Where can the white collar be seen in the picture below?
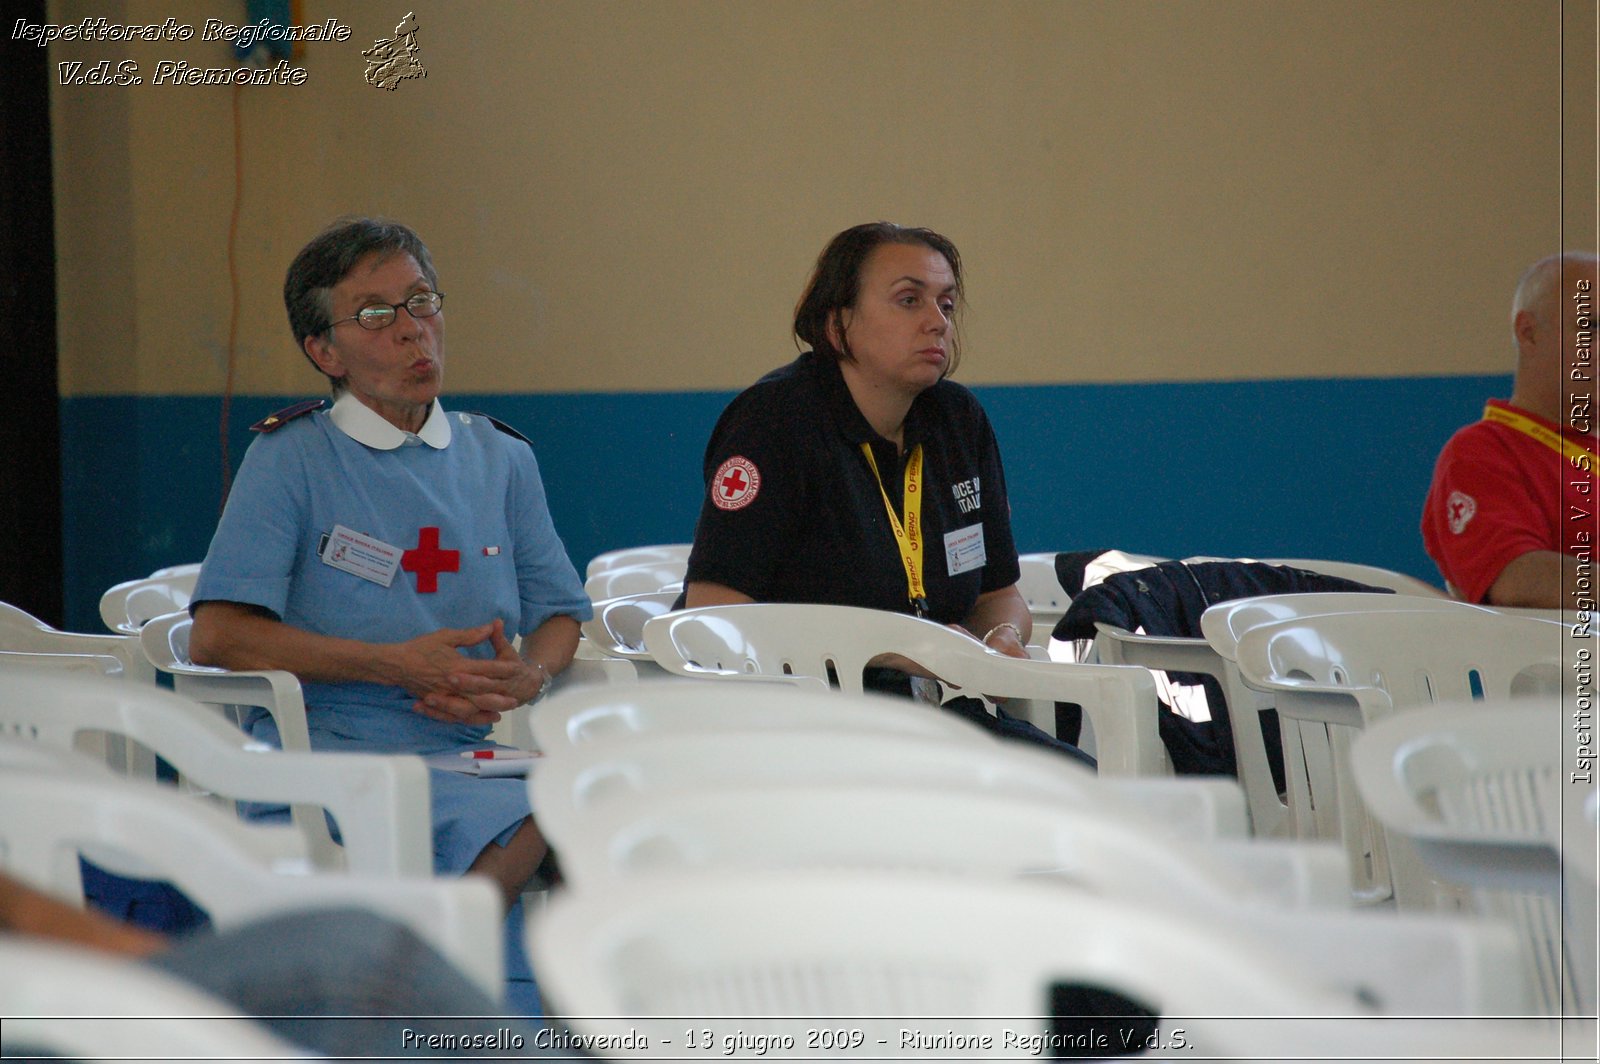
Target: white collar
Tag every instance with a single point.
(366, 426)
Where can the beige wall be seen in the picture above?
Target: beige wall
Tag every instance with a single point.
(627, 195)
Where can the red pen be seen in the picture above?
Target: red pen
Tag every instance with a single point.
(499, 755)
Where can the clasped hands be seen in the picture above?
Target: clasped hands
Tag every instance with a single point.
(456, 689)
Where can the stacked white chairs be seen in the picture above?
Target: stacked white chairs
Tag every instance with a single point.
(617, 630)
(53, 811)
(872, 956)
(1334, 674)
(931, 827)
(26, 641)
(664, 554)
(380, 803)
(832, 645)
(127, 607)
(79, 1004)
(613, 748)
(633, 580)
(751, 799)
(1480, 792)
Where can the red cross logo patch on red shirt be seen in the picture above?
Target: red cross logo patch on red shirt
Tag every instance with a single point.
(428, 561)
(735, 483)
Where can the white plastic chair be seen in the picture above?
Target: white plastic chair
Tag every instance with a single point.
(20, 631)
(834, 644)
(1214, 656)
(126, 607)
(580, 729)
(26, 641)
(1047, 600)
(379, 802)
(930, 827)
(664, 554)
(80, 1004)
(589, 716)
(1335, 674)
(1222, 625)
(1479, 791)
(165, 642)
(617, 629)
(573, 784)
(234, 871)
(875, 952)
(633, 580)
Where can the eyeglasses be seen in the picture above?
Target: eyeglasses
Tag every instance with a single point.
(377, 316)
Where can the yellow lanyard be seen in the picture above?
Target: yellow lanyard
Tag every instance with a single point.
(908, 535)
(1580, 456)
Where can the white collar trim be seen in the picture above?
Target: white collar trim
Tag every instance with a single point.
(366, 426)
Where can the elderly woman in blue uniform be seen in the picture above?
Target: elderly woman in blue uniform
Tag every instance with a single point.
(386, 552)
(822, 474)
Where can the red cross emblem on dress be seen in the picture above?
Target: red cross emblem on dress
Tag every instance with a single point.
(735, 483)
(428, 561)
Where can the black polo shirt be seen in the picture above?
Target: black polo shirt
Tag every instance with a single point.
(792, 512)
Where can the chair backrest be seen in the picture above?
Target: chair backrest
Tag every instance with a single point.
(589, 715)
(667, 554)
(379, 802)
(934, 828)
(1479, 790)
(1041, 589)
(1371, 575)
(81, 1004)
(617, 628)
(886, 950)
(1224, 623)
(575, 782)
(1411, 657)
(126, 607)
(49, 816)
(22, 632)
(834, 644)
(633, 580)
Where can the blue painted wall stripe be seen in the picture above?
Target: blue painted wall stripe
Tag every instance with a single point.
(1305, 468)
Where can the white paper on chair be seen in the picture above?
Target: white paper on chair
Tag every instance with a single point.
(504, 763)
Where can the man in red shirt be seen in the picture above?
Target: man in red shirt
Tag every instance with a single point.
(1510, 518)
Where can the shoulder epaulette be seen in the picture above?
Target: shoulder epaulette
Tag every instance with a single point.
(502, 426)
(274, 422)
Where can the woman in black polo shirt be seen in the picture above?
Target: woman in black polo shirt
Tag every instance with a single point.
(809, 470)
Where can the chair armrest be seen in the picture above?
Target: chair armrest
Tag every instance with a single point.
(275, 691)
(1118, 646)
(379, 801)
(1120, 700)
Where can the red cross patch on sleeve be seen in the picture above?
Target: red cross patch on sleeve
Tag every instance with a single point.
(735, 484)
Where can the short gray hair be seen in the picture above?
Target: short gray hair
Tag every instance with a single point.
(331, 255)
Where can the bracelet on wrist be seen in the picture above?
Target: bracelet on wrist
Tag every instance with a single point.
(1003, 624)
(544, 685)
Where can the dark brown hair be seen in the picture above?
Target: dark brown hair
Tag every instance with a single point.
(835, 284)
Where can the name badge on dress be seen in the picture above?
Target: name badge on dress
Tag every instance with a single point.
(360, 555)
(963, 550)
